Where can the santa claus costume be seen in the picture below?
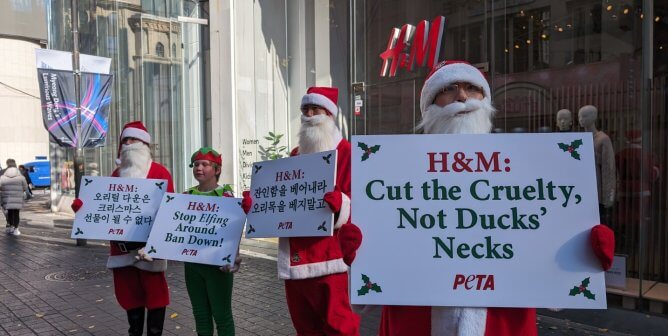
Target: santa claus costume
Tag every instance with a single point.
(139, 281)
(315, 268)
(476, 118)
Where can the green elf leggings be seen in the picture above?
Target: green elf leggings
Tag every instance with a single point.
(210, 292)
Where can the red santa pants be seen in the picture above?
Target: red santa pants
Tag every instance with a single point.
(320, 306)
(135, 288)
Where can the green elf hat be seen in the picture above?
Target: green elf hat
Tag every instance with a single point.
(206, 153)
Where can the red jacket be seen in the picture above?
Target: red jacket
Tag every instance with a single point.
(311, 257)
(122, 254)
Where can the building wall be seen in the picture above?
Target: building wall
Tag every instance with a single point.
(22, 133)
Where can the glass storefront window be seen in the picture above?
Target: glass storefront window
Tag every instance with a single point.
(157, 67)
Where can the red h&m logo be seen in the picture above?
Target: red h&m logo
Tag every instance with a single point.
(424, 43)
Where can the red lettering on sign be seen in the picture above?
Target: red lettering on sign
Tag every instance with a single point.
(477, 281)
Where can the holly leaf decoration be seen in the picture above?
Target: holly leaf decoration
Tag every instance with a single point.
(326, 158)
(367, 150)
(159, 185)
(365, 278)
(169, 198)
(571, 148)
(152, 250)
(583, 289)
(87, 181)
(228, 258)
(589, 295)
(574, 291)
(322, 227)
(78, 232)
(363, 290)
(585, 282)
(368, 286)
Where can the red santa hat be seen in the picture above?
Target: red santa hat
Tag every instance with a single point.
(326, 97)
(133, 129)
(449, 72)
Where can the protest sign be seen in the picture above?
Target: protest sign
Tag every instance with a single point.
(288, 196)
(196, 228)
(496, 220)
(116, 208)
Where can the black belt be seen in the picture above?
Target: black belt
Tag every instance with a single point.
(128, 246)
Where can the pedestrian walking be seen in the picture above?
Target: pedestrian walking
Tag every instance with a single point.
(12, 187)
(25, 174)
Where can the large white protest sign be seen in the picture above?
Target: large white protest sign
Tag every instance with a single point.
(116, 208)
(496, 220)
(196, 228)
(288, 196)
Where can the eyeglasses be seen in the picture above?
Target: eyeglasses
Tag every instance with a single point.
(315, 108)
(468, 88)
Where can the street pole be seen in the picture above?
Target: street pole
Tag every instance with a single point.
(78, 158)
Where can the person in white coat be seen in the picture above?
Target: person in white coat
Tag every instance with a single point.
(12, 188)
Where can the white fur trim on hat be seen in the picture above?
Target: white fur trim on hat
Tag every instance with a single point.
(136, 133)
(320, 100)
(448, 74)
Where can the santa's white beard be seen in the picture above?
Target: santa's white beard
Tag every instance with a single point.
(317, 134)
(135, 160)
(454, 118)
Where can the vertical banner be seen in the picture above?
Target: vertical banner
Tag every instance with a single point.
(288, 196)
(495, 220)
(196, 228)
(117, 208)
(59, 107)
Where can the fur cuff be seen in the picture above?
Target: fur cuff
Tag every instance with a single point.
(344, 213)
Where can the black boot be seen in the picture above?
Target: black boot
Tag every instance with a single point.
(136, 320)
(155, 321)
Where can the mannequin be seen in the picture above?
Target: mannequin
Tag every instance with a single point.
(604, 158)
(564, 120)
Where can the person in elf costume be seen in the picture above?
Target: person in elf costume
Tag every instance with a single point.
(456, 99)
(210, 287)
(315, 268)
(139, 281)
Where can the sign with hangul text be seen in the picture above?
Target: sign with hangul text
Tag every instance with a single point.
(117, 208)
(196, 228)
(288, 196)
(487, 220)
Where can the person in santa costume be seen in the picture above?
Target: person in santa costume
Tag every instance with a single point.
(139, 281)
(315, 268)
(456, 98)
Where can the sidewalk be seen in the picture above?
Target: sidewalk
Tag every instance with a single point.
(48, 286)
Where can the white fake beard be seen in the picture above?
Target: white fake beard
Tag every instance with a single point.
(446, 120)
(135, 160)
(317, 134)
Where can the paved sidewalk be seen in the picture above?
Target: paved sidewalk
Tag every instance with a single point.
(48, 286)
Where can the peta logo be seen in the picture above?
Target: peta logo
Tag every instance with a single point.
(473, 281)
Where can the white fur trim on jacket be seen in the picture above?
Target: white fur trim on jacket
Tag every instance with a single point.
(452, 73)
(305, 271)
(136, 133)
(454, 321)
(128, 259)
(344, 213)
(320, 100)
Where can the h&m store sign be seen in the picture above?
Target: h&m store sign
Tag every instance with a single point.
(423, 41)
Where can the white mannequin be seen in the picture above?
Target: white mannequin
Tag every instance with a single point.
(604, 156)
(564, 120)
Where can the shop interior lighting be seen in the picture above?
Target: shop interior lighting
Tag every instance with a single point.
(528, 41)
(657, 19)
(609, 8)
(626, 11)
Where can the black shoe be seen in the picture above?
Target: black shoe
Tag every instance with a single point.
(155, 321)
(136, 321)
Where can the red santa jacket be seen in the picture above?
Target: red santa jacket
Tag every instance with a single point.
(446, 321)
(122, 254)
(311, 257)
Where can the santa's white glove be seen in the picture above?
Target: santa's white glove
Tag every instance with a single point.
(234, 268)
(142, 256)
